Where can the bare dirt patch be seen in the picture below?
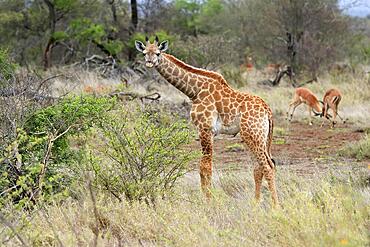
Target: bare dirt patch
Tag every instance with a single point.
(304, 148)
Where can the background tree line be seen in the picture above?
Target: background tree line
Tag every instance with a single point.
(308, 35)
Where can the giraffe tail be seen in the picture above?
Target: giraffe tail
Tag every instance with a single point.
(269, 143)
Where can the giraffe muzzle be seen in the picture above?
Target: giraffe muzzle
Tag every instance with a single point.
(149, 64)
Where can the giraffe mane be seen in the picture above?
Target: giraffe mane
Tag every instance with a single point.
(198, 71)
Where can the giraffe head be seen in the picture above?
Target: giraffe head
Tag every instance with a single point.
(152, 51)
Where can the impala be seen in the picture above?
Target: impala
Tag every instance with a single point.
(331, 101)
(304, 95)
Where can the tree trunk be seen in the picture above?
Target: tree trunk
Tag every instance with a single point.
(134, 16)
(114, 11)
(133, 26)
(50, 44)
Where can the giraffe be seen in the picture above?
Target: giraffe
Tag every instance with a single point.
(218, 109)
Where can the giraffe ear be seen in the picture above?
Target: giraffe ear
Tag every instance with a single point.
(163, 46)
(139, 46)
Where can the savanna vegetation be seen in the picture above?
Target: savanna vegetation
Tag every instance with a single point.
(97, 150)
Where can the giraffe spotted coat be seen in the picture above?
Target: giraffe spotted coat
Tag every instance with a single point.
(219, 109)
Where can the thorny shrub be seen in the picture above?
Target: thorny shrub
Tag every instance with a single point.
(34, 164)
(140, 154)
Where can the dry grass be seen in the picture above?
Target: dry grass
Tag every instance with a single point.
(355, 88)
(359, 150)
(355, 104)
(326, 210)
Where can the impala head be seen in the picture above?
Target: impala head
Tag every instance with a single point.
(152, 51)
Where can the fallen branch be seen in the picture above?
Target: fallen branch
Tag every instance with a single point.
(132, 96)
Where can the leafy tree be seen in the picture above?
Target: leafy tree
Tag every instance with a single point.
(194, 16)
(305, 34)
(7, 68)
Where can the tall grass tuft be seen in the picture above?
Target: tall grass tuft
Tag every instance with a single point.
(326, 210)
(359, 150)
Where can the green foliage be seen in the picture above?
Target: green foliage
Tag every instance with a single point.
(359, 49)
(84, 31)
(196, 16)
(142, 156)
(189, 13)
(65, 5)
(113, 46)
(212, 8)
(59, 36)
(22, 164)
(77, 110)
(233, 75)
(10, 17)
(7, 68)
(162, 35)
(359, 150)
(32, 166)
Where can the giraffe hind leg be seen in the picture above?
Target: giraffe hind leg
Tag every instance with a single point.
(205, 169)
(258, 176)
(265, 167)
(269, 174)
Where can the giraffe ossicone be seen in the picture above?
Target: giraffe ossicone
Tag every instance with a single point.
(218, 109)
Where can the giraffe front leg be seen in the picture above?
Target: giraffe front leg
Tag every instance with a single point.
(205, 169)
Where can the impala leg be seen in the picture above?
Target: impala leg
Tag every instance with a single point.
(205, 169)
(287, 113)
(309, 115)
(295, 105)
(334, 116)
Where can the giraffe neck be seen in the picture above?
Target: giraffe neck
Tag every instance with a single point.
(184, 77)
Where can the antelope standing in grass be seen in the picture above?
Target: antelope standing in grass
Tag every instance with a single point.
(331, 101)
(304, 95)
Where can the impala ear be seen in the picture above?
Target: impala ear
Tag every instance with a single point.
(139, 46)
(163, 46)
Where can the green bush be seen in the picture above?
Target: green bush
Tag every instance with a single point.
(233, 76)
(140, 155)
(7, 68)
(34, 165)
(359, 150)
